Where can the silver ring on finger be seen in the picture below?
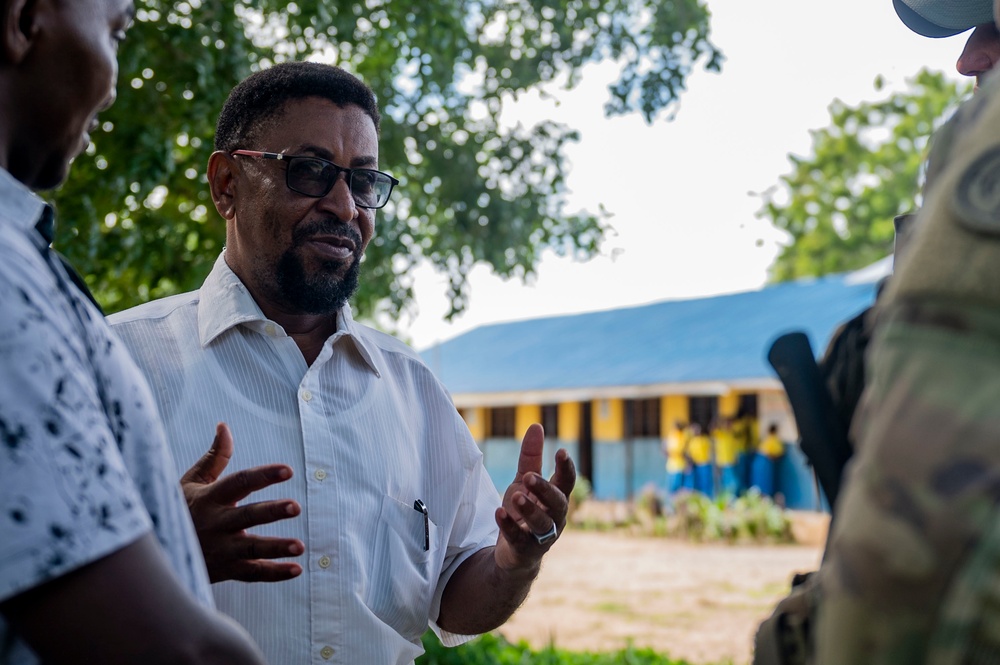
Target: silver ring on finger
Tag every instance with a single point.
(548, 536)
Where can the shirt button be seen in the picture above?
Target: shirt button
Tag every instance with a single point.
(320, 474)
(306, 395)
(270, 329)
(324, 561)
(326, 652)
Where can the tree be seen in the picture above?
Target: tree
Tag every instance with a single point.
(838, 204)
(136, 216)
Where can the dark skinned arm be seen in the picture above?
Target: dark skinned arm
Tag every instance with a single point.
(126, 608)
(492, 583)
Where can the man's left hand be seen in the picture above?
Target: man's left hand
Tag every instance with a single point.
(533, 506)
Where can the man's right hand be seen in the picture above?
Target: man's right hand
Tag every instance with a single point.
(230, 552)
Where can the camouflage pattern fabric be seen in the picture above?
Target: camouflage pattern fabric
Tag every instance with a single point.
(912, 570)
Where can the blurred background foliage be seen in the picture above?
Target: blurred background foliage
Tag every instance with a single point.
(867, 166)
(136, 217)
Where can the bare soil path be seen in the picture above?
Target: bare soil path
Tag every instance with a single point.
(700, 602)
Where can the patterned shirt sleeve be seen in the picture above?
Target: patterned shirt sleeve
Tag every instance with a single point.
(66, 497)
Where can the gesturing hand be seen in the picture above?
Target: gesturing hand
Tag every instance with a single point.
(532, 506)
(230, 552)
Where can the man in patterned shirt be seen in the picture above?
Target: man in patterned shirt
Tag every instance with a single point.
(401, 524)
(98, 559)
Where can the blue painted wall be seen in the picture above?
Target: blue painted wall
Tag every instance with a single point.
(612, 481)
(500, 457)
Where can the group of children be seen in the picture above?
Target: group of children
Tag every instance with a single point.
(727, 458)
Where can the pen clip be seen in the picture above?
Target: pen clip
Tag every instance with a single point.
(420, 507)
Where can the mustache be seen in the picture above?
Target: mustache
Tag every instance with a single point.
(335, 227)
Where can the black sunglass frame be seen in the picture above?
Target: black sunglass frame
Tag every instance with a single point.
(349, 174)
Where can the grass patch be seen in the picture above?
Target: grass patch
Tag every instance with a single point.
(492, 649)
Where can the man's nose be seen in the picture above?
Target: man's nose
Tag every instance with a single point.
(339, 199)
(981, 51)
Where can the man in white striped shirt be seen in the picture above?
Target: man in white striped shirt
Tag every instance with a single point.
(401, 526)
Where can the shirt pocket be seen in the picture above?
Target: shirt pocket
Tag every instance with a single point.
(404, 568)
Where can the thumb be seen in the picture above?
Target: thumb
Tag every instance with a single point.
(211, 465)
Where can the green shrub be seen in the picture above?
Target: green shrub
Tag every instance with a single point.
(581, 492)
(751, 517)
(492, 649)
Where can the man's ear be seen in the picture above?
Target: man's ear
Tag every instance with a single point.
(19, 29)
(222, 182)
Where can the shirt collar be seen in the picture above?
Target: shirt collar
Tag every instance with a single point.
(224, 302)
(20, 207)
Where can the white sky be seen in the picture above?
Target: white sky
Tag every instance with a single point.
(686, 226)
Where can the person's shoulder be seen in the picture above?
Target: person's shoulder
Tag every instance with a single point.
(20, 262)
(154, 310)
(384, 342)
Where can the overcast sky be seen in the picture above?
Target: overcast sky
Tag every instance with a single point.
(686, 225)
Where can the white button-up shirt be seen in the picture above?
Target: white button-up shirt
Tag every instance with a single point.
(83, 460)
(368, 431)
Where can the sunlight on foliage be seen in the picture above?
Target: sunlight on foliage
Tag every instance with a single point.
(837, 205)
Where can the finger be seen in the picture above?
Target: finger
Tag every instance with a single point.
(255, 514)
(264, 571)
(532, 445)
(548, 497)
(510, 529)
(211, 465)
(534, 517)
(565, 474)
(237, 486)
(252, 548)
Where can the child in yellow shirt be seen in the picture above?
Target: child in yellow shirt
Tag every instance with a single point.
(726, 449)
(677, 464)
(765, 462)
(699, 451)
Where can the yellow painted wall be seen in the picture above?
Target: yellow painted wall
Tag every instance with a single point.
(729, 404)
(524, 416)
(569, 421)
(672, 409)
(477, 418)
(609, 419)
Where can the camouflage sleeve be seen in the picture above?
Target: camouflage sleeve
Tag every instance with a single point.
(911, 572)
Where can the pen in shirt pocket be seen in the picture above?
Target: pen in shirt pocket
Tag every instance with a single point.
(421, 508)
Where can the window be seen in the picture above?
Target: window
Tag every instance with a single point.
(502, 422)
(645, 420)
(748, 405)
(703, 410)
(550, 420)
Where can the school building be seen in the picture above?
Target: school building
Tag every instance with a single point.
(608, 385)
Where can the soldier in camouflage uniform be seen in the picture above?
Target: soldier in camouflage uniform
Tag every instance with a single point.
(871, 616)
(912, 572)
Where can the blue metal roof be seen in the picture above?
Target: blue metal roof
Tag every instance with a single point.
(721, 338)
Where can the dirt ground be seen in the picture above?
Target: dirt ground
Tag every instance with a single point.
(598, 591)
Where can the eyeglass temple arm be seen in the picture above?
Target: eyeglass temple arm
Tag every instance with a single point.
(258, 153)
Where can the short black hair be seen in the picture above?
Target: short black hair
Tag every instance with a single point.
(263, 95)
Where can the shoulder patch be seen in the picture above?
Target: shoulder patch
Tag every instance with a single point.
(976, 200)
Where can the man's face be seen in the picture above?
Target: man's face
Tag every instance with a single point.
(302, 255)
(74, 68)
(981, 52)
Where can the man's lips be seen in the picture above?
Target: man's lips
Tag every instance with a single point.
(333, 247)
